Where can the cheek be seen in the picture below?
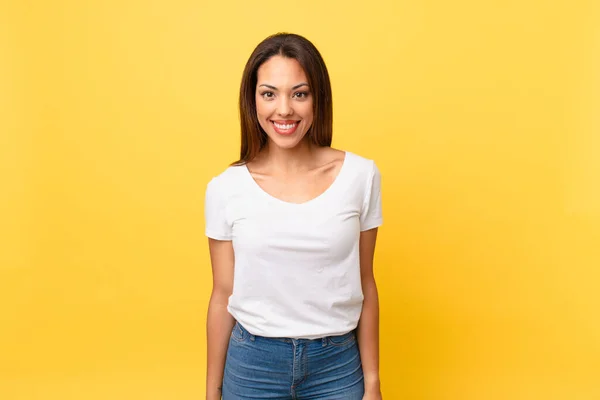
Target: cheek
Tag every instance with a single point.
(306, 112)
(263, 113)
(263, 109)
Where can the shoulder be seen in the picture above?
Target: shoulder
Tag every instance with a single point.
(362, 166)
(227, 181)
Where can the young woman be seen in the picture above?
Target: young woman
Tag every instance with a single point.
(292, 228)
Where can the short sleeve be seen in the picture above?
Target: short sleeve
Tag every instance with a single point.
(215, 214)
(371, 215)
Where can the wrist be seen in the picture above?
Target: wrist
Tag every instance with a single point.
(213, 394)
(372, 383)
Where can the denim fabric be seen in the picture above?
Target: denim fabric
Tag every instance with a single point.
(284, 369)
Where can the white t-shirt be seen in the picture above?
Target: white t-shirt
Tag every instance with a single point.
(297, 269)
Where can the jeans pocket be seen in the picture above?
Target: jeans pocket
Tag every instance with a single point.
(237, 333)
(342, 340)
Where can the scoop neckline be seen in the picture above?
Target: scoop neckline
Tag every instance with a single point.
(315, 199)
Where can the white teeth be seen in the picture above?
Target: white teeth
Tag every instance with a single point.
(285, 127)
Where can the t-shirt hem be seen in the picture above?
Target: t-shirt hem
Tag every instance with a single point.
(217, 236)
(371, 224)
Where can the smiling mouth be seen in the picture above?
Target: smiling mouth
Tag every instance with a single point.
(285, 127)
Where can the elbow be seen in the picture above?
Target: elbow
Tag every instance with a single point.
(369, 287)
(220, 295)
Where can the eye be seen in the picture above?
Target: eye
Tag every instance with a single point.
(267, 95)
(301, 95)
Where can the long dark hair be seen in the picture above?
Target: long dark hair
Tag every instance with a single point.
(301, 49)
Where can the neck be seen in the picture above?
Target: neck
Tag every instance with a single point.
(297, 159)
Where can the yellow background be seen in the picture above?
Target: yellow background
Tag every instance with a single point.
(483, 117)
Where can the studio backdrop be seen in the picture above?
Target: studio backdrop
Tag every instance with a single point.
(483, 117)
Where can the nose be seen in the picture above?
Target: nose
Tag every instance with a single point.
(284, 108)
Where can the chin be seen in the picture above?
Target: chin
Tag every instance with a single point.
(284, 142)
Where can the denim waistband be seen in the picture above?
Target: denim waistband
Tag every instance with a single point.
(288, 340)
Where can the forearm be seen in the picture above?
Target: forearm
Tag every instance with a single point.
(218, 330)
(368, 336)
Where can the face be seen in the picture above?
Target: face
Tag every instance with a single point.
(284, 102)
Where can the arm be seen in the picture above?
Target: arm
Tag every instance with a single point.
(368, 325)
(219, 321)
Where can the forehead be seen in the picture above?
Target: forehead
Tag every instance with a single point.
(281, 70)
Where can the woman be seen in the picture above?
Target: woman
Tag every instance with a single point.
(292, 228)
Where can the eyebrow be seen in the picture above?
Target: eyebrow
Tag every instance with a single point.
(294, 88)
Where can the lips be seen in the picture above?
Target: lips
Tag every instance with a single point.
(285, 127)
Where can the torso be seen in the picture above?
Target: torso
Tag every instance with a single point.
(296, 243)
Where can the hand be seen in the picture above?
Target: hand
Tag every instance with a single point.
(373, 395)
(372, 389)
(213, 395)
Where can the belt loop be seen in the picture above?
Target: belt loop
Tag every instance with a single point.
(324, 341)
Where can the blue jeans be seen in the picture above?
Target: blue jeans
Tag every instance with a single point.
(284, 369)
